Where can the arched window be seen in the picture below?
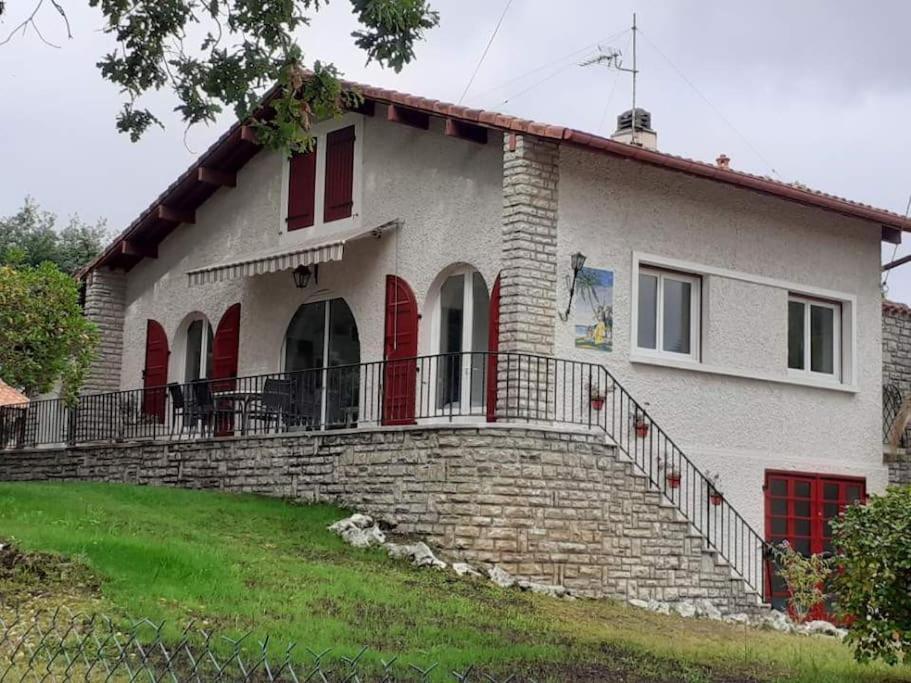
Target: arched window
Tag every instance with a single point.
(459, 335)
(322, 352)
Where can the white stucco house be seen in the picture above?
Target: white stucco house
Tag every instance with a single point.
(423, 265)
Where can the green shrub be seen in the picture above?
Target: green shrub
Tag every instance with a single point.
(873, 580)
(804, 577)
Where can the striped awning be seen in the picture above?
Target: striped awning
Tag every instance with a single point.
(310, 252)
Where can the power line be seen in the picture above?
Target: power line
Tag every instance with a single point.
(713, 107)
(484, 54)
(537, 83)
(572, 56)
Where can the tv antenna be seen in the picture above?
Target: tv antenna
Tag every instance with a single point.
(613, 59)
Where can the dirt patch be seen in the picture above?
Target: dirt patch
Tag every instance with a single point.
(25, 575)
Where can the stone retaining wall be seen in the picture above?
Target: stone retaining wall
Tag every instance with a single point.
(550, 507)
(899, 464)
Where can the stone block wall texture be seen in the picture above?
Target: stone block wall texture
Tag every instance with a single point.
(529, 275)
(899, 465)
(897, 346)
(551, 507)
(528, 279)
(105, 300)
(897, 372)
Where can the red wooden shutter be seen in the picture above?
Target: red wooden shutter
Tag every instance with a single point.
(155, 374)
(224, 363)
(339, 174)
(400, 350)
(493, 347)
(302, 190)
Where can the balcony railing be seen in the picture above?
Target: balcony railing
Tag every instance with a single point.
(465, 387)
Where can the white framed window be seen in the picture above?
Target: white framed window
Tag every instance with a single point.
(668, 316)
(814, 337)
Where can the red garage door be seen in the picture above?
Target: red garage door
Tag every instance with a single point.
(798, 509)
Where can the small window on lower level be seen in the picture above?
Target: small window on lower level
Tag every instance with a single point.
(814, 336)
(668, 313)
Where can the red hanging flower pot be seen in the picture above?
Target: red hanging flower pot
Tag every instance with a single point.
(673, 480)
(641, 429)
(597, 403)
(716, 498)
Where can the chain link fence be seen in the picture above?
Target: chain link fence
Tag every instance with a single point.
(65, 646)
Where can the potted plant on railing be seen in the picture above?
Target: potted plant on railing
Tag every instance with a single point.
(596, 397)
(640, 423)
(716, 497)
(672, 476)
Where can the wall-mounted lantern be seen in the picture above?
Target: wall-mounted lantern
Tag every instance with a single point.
(302, 275)
(578, 262)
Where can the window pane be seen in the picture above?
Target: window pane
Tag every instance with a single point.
(795, 335)
(648, 311)
(822, 336)
(452, 310)
(194, 351)
(677, 301)
(209, 347)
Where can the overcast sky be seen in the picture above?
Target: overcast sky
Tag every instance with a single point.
(817, 90)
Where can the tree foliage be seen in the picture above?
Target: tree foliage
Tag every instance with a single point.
(30, 237)
(43, 335)
(873, 579)
(217, 54)
(804, 577)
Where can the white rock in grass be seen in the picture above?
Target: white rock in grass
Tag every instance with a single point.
(501, 577)
(364, 538)
(821, 628)
(685, 609)
(778, 621)
(418, 553)
(739, 618)
(355, 521)
(641, 604)
(464, 569)
(705, 608)
(658, 606)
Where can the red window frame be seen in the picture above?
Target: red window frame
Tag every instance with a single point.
(798, 507)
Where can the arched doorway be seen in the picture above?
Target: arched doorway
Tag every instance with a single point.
(460, 336)
(322, 353)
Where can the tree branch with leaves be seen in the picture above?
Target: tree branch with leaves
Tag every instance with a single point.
(243, 48)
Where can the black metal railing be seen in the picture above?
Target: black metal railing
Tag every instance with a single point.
(506, 387)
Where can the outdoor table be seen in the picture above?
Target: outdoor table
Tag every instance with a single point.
(244, 397)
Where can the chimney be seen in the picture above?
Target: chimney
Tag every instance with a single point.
(723, 161)
(644, 136)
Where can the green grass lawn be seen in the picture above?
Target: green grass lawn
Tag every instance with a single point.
(240, 563)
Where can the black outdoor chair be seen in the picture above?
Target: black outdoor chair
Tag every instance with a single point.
(195, 408)
(272, 405)
(178, 405)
